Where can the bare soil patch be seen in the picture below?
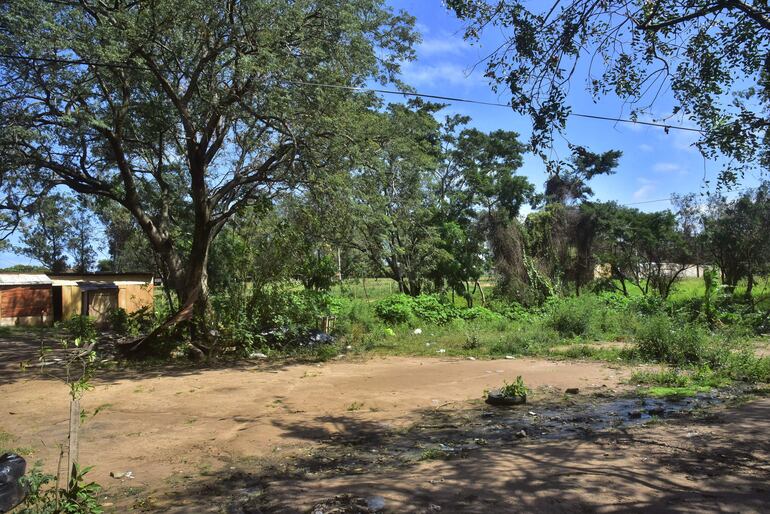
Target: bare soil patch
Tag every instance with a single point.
(266, 438)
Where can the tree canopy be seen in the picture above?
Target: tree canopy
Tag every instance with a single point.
(184, 111)
(713, 55)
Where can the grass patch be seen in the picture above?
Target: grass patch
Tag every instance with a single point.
(594, 352)
(673, 392)
(434, 454)
(7, 442)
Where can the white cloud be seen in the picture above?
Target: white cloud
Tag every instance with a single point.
(667, 167)
(437, 75)
(646, 148)
(643, 193)
(442, 46)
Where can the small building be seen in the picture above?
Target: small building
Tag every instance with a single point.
(97, 294)
(25, 299)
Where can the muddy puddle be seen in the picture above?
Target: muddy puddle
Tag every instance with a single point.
(460, 431)
(579, 417)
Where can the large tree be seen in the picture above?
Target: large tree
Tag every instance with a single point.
(45, 236)
(184, 111)
(737, 235)
(82, 239)
(713, 55)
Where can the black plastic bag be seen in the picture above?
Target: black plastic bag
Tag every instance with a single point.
(12, 468)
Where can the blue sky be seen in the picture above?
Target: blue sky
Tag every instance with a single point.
(654, 164)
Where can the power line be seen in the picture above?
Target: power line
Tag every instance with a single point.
(365, 89)
(650, 201)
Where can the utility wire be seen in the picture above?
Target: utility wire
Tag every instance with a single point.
(650, 201)
(365, 89)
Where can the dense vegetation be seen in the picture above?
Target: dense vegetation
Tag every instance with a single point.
(214, 158)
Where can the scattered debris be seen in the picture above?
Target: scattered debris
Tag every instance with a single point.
(417, 331)
(572, 390)
(12, 468)
(496, 397)
(119, 475)
(349, 504)
(375, 503)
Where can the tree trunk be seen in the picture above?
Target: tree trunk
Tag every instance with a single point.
(749, 285)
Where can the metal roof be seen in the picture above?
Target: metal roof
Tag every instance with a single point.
(23, 279)
(92, 286)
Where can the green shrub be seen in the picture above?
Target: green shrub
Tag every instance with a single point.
(746, 366)
(666, 378)
(430, 309)
(395, 309)
(78, 497)
(508, 309)
(647, 304)
(480, 314)
(571, 317)
(130, 324)
(529, 340)
(662, 339)
(82, 327)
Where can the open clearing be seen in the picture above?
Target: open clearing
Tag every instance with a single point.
(259, 438)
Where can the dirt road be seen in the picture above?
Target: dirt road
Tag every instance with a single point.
(286, 438)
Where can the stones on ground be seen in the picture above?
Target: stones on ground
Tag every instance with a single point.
(521, 434)
(510, 357)
(656, 411)
(572, 390)
(417, 331)
(257, 355)
(344, 503)
(375, 503)
(434, 508)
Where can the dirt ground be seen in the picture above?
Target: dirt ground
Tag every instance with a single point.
(265, 438)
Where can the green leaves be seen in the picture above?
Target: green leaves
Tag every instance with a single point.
(712, 57)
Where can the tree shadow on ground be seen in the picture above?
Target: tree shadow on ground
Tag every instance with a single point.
(20, 352)
(662, 468)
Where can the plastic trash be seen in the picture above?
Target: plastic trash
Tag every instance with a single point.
(12, 468)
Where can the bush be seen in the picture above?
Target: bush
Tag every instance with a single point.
(131, 324)
(480, 314)
(82, 327)
(667, 378)
(511, 310)
(529, 340)
(744, 365)
(571, 317)
(78, 497)
(660, 339)
(395, 309)
(431, 309)
(647, 304)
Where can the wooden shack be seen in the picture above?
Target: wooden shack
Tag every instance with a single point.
(97, 294)
(25, 299)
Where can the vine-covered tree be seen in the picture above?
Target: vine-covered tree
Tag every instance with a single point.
(184, 111)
